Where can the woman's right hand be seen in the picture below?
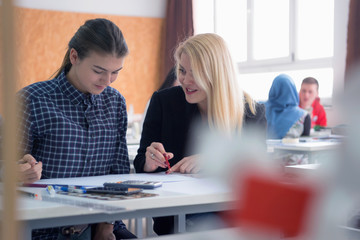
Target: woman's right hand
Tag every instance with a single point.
(154, 157)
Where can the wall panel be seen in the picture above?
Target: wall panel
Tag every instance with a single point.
(42, 38)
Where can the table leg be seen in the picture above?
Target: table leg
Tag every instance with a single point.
(139, 227)
(149, 227)
(180, 223)
(26, 232)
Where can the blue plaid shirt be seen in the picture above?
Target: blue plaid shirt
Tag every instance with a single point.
(73, 134)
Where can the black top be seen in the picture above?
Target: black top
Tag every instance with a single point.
(169, 120)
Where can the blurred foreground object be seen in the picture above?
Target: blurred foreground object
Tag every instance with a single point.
(272, 206)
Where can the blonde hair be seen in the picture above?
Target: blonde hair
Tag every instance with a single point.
(214, 71)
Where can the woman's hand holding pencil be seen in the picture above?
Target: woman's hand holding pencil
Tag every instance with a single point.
(156, 156)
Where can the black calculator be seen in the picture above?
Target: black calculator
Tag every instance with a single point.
(134, 184)
(113, 190)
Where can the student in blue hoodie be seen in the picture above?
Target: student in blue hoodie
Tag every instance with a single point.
(285, 118)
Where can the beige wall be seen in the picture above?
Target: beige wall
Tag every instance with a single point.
(42, 37)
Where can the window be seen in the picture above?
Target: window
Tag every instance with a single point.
(270, 29)
(267, 38)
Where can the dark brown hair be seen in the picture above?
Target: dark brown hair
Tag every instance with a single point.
(99, 35)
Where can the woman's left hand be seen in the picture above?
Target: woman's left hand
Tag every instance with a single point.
(186, 165)
(29, 170)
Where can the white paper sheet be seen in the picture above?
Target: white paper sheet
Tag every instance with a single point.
(100, 180)
(198, 187)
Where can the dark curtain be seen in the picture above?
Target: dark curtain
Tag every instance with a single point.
(353, 36)
(179, 26)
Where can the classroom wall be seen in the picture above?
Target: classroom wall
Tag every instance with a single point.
(42, 35)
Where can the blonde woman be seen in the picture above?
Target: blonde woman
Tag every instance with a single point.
(209, 90)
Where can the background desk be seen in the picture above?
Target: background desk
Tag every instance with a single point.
(132, 151)
(302, 169)
(174, 198)
(316, 150)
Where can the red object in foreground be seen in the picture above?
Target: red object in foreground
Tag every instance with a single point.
(269, 203)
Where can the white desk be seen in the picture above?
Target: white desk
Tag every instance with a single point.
(302, 169)
(316, 150)
(132, 141)
(174, 198)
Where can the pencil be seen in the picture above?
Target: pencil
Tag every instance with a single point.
(167, 162)
(39, 185)
(29, 194)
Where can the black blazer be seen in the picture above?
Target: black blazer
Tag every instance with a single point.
(169, 120)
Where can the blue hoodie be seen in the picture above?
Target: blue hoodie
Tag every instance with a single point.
(282, 107)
